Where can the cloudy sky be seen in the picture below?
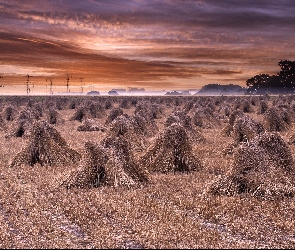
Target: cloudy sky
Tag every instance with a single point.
(154, 44)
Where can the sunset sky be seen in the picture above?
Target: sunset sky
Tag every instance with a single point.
(152, 44)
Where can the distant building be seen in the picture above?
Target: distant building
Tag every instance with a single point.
(113, 92)
(185, 92)
(119, 90)
(136, 90)
(93, 93)
(174, 92)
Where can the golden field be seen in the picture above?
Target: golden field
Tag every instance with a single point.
(171, 210)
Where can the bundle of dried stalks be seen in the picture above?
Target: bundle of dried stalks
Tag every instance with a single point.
(61, 103)
(80, 114)
(188, 106)
(227, 130)
(185, 120)
(122, 168)
(211, 105)
(46, 147)
(168, 101)
(89, 124)
(3, 125)
(127, 127)
(291, 136)
(266, 97)
(10, 113)
(74, 103)
(277, 120)
(262, 107)
(88, 109)
(49, 104)
(246, 106)
(145, 114)
(245, 128)
(224, 111)
(115, 112)
(54, 117)
(171, 151)
(21, 126)
(279, 100)
(235, 115)
(205, 118)
(292, 105)
(125, 103)
(148, 110)
(108, 165)
(147, 126)
(263, 168)
(287, 114)
(37, 109)
(108, 104)
(254, 100)
(178, 101)
(97, 110)
(134, 100)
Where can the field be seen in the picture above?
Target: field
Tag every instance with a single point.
(42, 204)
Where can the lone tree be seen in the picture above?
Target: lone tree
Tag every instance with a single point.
(287, 73)
(256, 82)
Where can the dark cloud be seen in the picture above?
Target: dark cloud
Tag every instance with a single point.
(65, 58)
(151, 41)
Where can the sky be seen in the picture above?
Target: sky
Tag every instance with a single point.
(152, 44)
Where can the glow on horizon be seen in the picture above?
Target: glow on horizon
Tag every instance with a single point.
(152, 44)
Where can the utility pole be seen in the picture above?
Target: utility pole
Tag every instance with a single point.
(68, 80)
(50, 85)
(27, 83)
(81, 80)
(1, 84)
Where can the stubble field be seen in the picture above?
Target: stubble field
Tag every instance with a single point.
(177, 202)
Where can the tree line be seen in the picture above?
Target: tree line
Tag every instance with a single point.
(281, 83)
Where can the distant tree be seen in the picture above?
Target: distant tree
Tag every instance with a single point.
(283, 82)
(287, 73)
(274, 82)
(215, 88)
(256, 82)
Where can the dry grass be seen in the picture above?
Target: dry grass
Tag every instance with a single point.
(173, 210)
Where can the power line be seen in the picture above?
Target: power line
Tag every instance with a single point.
(68, 80)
